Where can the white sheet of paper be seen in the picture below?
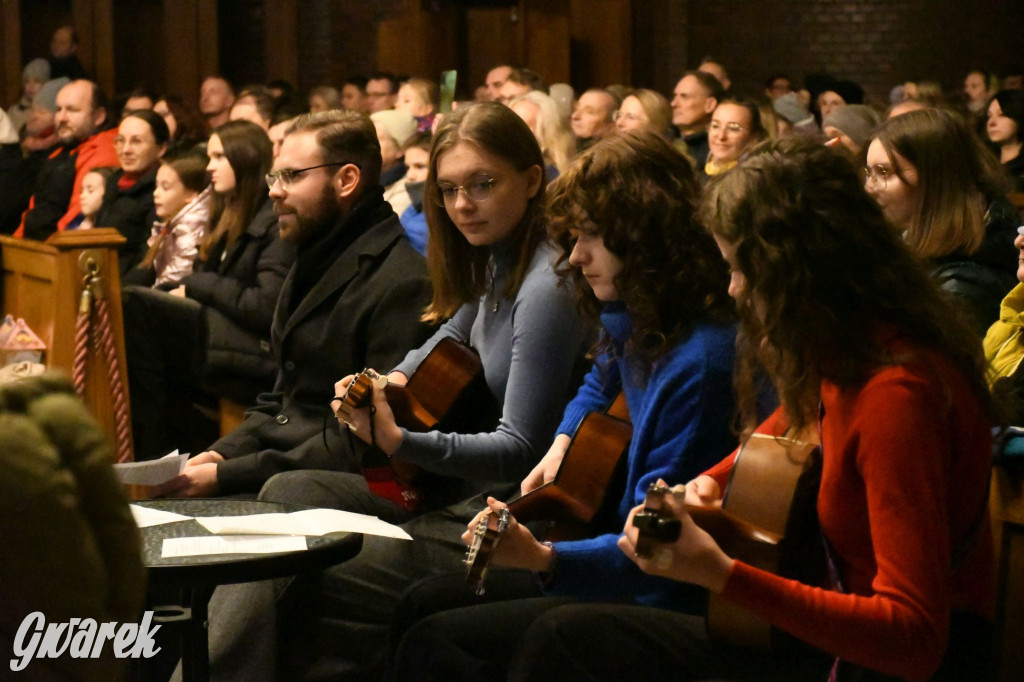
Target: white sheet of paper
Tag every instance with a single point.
(305, 522)
(146, 517)
(235, 544)
(153, 472)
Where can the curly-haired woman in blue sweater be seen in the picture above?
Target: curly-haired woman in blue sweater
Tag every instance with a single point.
(624, 217)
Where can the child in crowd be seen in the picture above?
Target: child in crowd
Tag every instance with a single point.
(93, 185)
(417, 160)
(181, 200)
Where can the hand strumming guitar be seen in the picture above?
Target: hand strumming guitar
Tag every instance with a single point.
(518, 548)
(693, 558)
(386, 434)
(547, 467)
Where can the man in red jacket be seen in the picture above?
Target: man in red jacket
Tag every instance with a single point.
(80, 119)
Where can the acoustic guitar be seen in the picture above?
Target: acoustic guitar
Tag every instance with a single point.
(764, 521)
(446, 391)
(584, 490)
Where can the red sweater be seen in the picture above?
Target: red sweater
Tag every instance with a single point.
(905, 470)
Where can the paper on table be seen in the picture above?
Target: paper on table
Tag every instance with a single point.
(238, 544)
(146, 516)
(306, 522)
(153, 472)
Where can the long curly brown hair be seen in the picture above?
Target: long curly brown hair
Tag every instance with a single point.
(825, 277)
(640, 195)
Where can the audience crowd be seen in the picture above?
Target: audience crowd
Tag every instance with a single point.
(278, 243)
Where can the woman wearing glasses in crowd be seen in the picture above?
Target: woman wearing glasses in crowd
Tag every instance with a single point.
(734, 129)
(937, 184)
(893, 386)
(494, 288)
(211, 333)
(644, 109)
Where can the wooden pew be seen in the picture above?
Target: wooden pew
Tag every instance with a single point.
(1006, 505)
(42, 283)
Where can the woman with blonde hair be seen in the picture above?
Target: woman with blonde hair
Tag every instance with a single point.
(644, 109)
(541, 113)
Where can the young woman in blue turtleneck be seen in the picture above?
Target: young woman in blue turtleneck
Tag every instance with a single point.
(623, 215)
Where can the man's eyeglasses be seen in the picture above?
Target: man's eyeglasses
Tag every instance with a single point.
(476, 190)
(287, 176)
(879, 175)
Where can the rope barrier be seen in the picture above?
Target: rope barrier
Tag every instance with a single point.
(91, 301)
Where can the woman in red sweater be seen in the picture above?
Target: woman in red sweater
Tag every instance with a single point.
(866, 355)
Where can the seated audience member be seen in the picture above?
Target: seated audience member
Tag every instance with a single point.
(414, 218)
(519, 82)
(353, 94)
(494, 282)
(381, 90)
(128, 199)
(94, 187)
(623, 215)
(694, 99)
(33, 77)
(186, 124)
(352, 299)
(776, 86)
(894, 389)
(281, 90)
(644, 110)
(713, 67)
(256, 104)
(216, 97)
(394, 128)
(1005, 130)
(496, 78)
(71, 547)
(64, 54)
(793, 116)
(1004, 348)
(277, 133)
(852, 125)
(181, 201)
(324, 98)
(928, 93)
(81, 115)
(138, 98)
(939, 186)
(541, 114)
(418, 97)
(734, 129)
(593, 117)
(24, 160)
(976, 91)
(211, 333)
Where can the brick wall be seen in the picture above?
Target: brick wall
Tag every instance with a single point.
(877, 43)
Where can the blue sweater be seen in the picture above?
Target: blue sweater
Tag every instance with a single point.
(681, 420)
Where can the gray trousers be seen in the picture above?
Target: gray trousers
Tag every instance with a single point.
(333, 624)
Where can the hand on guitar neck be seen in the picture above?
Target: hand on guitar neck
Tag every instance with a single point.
(694, 556)
(518, 547)
(386, 433)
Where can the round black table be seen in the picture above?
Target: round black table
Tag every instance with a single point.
(197, 576)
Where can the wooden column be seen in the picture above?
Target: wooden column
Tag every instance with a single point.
(42, 283)
(94, 20)
(10, 50)
(282, 39)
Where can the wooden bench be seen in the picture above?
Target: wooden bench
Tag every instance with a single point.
(1006, 502)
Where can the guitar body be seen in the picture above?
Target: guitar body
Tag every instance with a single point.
(765, 522)
(584, 485)
(448, 382)
(580, 494)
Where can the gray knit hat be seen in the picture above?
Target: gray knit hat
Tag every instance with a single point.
(37, 70)
(791, 108)
(858, 121)
(47, 95)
